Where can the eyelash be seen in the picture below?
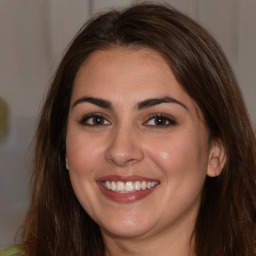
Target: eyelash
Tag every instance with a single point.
(94, 116)
(161, 117)
(168, 121)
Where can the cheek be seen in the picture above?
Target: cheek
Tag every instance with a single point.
(164, 155)
(82, 154)
(182, 156)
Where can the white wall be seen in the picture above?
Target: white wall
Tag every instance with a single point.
(33, 35)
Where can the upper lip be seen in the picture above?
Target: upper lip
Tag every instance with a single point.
(124, 178)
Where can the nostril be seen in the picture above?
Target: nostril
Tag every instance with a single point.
(122, 160)
(124, 147)
(124, 156)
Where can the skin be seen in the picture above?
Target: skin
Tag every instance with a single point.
(176, 151)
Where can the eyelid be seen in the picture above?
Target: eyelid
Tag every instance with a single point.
(86, 117)
(170, 119)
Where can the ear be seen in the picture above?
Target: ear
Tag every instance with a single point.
(67, 166)
(217, 158)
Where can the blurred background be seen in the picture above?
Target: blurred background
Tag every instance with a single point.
(33, 37)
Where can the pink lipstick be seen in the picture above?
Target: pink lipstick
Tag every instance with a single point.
(126, 189)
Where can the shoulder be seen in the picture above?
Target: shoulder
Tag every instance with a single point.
(12, 251)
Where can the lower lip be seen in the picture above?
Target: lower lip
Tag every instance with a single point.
(125, 197)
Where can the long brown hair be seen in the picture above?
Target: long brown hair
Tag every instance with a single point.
(56, 223)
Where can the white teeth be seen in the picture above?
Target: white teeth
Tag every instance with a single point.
(113, 186)
(107, 185)
(137, 185)
(120, 186)
(129, 186)
(143, 185)
(153, 183)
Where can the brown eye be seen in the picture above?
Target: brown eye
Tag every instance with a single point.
(94, 120)
(160, 121)
(97, 120)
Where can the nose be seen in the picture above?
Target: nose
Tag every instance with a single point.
(124, 147)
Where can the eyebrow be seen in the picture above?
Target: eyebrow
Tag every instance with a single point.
(156, 101)
(96, 101)
(141, 105)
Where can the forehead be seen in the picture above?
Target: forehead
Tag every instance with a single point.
(124, 67)
(127, 57)
(127, 75)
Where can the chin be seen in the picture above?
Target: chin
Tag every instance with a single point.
(127, 228)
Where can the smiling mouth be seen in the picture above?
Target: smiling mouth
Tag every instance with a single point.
(126, 189)
(129, 186)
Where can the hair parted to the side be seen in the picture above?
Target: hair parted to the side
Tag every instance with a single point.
(56, 223)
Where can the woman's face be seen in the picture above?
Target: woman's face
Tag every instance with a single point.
(138, 150)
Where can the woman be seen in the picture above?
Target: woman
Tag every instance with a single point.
(144, 146)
